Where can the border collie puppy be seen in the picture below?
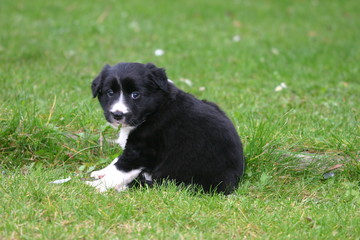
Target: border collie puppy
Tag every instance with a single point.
(166, 134)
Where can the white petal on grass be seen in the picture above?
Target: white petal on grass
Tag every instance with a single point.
(202, 89)
(186, 81)
(60, 181)
(134, 25)
(236, 38)
(280, 87)
(283, 85)
(159, 52)
(275, 51)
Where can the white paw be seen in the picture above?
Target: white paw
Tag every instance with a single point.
(107, 178)
(102, 186)
(98, 184)
(113, 178)
(101, 173)
(98, 174)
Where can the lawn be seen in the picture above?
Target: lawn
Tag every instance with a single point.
(302, 140)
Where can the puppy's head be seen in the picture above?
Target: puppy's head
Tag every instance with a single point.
(129, 92)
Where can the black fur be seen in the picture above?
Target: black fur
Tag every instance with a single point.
(177, 136)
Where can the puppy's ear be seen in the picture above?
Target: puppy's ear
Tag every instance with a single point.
(96, 85)
(158, 76)
(97, 82)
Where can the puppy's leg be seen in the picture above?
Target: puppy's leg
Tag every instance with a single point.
(101, 173)
(114, 178)
(120, 173)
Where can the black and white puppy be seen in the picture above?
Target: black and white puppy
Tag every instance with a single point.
(165, 133)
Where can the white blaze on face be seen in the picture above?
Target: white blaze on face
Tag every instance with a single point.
(120, 105)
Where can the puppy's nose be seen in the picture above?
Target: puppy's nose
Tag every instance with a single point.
(117, 115)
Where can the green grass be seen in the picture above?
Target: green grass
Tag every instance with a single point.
(50, 127)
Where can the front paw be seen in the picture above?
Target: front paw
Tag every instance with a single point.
(114, 178)
(98, 184)
(107, 178)
(98, 174)
(107, 182)
(102, 186)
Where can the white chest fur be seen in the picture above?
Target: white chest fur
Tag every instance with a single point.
(123, 136)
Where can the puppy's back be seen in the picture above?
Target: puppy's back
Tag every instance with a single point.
(201, 146)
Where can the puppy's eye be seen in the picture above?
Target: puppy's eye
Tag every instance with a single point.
(135, 95)
(109, 93)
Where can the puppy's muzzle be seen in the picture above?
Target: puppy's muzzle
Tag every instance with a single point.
(117, 115)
